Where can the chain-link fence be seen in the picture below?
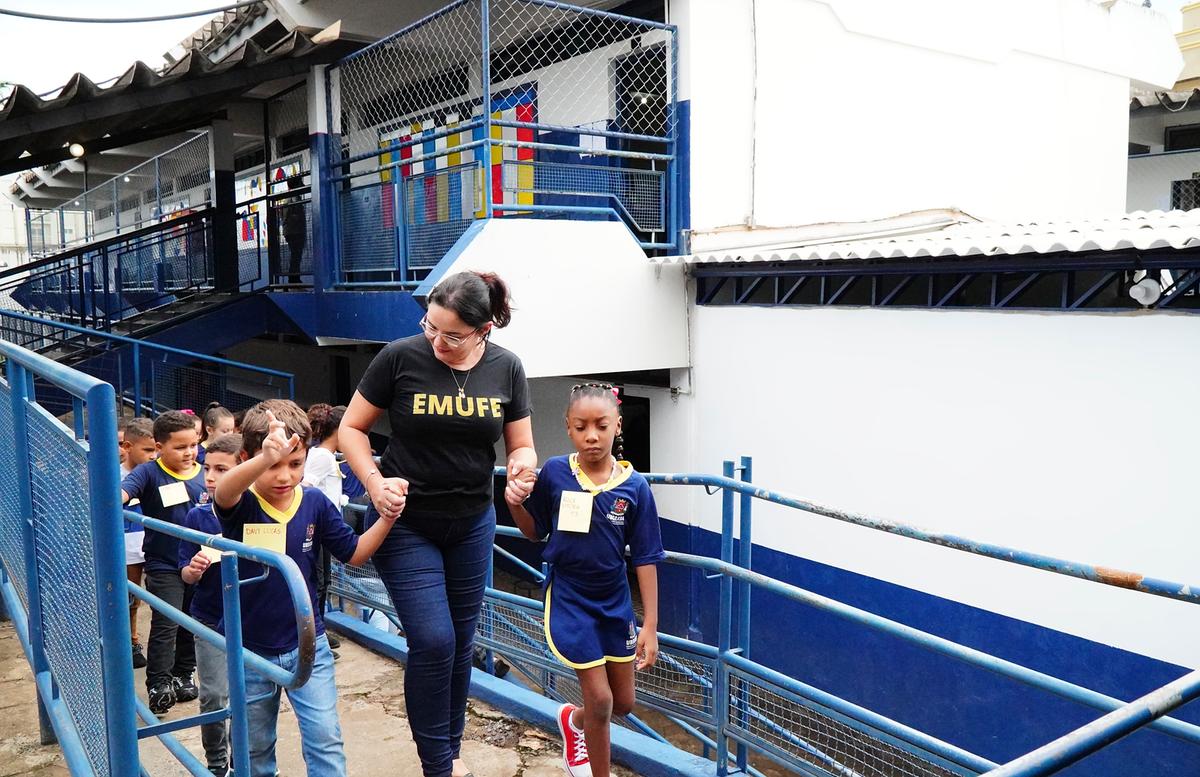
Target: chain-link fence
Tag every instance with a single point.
(171, 184)
(578, 122)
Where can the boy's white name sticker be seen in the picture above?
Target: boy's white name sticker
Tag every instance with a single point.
(212, 554)
(575, 512)
(268, 536)
(173, 494)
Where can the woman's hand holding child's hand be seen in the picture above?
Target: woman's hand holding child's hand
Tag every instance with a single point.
(389, 496)
(521, 480)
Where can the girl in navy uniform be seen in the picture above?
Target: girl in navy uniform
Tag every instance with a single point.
(592, 505)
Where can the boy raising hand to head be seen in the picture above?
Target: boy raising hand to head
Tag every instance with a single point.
(260, 502)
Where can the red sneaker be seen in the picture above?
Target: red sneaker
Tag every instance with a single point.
(575, 754)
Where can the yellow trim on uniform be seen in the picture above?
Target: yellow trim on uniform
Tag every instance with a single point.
(560, 656)
(625, 469)
(203, 445)
(280, 516)
(195, 470)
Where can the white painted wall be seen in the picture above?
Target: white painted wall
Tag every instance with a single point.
(585, 299)
(806, 111)
(1150, 178)
(1063, 434)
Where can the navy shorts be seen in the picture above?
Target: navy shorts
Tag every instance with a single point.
(586, 626)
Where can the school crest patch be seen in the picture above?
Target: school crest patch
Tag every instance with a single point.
(308, 539)
(631, 640)
(616, 516)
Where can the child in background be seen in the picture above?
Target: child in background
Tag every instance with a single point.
(137, 448)
(197, 568)
(262, 503)
(322, 473)
(216, 421)
(592, 505)
(168, 488)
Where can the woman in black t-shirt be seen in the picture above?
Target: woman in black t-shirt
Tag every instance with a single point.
(449, 395)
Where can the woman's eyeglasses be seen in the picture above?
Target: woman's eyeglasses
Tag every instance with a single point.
(454, 341)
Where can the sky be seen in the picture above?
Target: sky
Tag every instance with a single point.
(44, 55)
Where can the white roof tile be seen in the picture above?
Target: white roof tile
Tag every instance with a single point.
(1141, 230)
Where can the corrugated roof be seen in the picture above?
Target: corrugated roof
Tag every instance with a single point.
(83, 112)
(1141, 230)
(1172, 101)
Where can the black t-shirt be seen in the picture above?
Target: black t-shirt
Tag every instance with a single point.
(444, 445)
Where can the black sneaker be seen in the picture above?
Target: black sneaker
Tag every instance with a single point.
(334, 642)
(161, 698)
(219, 771)
(185, 689)
(139, 658)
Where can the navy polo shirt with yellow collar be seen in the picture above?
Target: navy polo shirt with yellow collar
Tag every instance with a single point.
(310, 522)
(589, 616)
(206, 597)
(168, 496)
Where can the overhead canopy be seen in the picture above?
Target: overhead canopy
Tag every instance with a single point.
(142, 104)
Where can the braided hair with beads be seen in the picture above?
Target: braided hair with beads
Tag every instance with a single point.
(605, 391)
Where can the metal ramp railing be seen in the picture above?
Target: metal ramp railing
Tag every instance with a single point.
(737, 708)
(63, 581)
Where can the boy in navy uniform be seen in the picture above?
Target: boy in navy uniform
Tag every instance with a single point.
(223, 452)
(261, 502)
(167, 488)
(591, 505)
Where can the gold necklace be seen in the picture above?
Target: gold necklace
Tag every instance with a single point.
(462, 389)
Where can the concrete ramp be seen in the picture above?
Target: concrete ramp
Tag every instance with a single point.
(586, 298)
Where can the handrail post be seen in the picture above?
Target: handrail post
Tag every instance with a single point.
(137, 382)
(724, 635)
(112, 597)
(745, 546)
(486, 71)
(20, 385)
(239, 734)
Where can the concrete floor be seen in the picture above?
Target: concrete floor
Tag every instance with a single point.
(371, 706)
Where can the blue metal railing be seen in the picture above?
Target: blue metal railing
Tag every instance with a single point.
(719, 695)
(409, 178)
(63, 581)
(148, 377)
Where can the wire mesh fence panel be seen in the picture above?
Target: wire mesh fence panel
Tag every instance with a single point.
(427, 73)
(288, 160)
(192, 386)
(590, 67)
(361, 585)
(184, 177)
(63, 541)
(292, 218)
(438, 208)
(368, 230)
(792, 730)
(680, 683)
(636, 195)
(12, 541)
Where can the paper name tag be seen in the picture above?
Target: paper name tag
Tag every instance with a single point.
(173, 493)
(212, 554)
(268, 536)
(575, 512)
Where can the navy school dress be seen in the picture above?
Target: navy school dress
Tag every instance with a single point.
(589, 618)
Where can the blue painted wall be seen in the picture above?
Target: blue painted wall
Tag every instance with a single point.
(990, 715)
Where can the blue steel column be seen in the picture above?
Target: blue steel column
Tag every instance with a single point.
(112, 586)
(239, 733)
(487, 107)
(673, 235)
(20, 383)
(745, 546)
(724, 637)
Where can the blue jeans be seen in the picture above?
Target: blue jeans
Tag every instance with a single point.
(315, 705)
(435, 571)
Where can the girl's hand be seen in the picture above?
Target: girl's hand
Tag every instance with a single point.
(647, 649)
(276, 444)
(389, 495)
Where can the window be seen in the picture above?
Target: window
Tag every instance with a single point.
(1185, 194)
(1182, 138)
